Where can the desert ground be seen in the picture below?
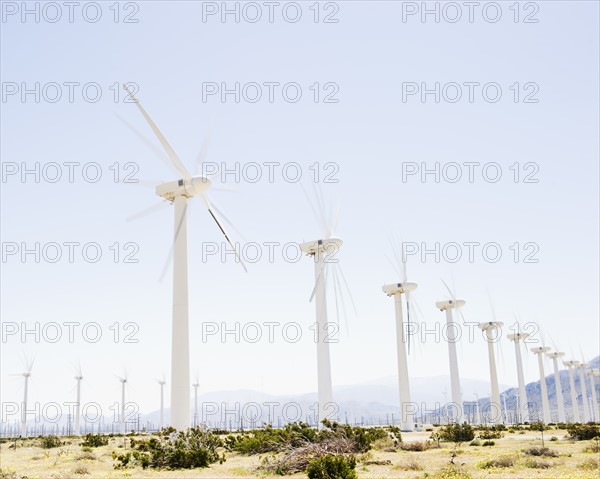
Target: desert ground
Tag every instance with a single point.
(575, 459)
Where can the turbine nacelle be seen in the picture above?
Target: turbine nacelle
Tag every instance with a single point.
(582, 365)
(571, 364)
(556, 355)
(198, 185)
(517, 336)
(398, 288)
(450, 304)
(327, 246)
(490, 325)
(540, 350)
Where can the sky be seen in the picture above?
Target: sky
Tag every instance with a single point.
(528, 110)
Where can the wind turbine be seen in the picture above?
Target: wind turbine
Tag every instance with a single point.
(574, 405)
(323, 253)
(123, 381)
(162, 383)
(396, 290)
(78, 378)
(594, 373)
(26, 375)
(195, 385)
(178, 192)
(477, 415)
(540, 350)
(495, 405)
(448, 306)
(557, 384)
(523, 405)
(584, 399)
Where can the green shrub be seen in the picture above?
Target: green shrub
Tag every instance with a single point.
(499, 462)
(48, 442)
(332, 467)
(94, 440)
(583, 432)
(489, 433)
(488, 443)
(457, 433)
(540, 451)
(538, 464)
(195, 447)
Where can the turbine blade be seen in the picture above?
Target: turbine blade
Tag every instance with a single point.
(449, 291)
(208, 205)
(347, 287)
(319, 279)
(222, 215)
(408, 319)
(157, 152)
(201, 158)
(395, 267)
(147, 211)
(313, 208)
(172, 249)
(168, 148)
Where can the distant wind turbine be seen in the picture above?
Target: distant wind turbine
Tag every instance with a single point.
(448, 306)
(26, 375)
(397, 290)
(523, 404)
(557, 384)
(574, 405)
(78, 378)
(540, 351)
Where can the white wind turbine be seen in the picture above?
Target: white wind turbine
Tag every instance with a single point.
(574, 405)
(540, 351)
(195, 386)
(584, 399)
(477, 414)
(162, 383)
(448, 306)
(557, 384)
(594, 373)
(178, 192)
(523, 404)
(495, 406)
(323, 252)
(26, 375)
(78, 378)
(123, 381)
(402, 339)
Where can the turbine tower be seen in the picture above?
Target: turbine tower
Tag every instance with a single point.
(195, 386)
(320, 251)
(523, 404)
(594, 373)
(545, 404)
(78, 378)
(162, 383)
(557, 384)
(396, 290)
(477, 415)
(584, 398)
(448, 306)
(178, 193)
(574, 404)
(26, 375)
(495, 406)
(123, 381)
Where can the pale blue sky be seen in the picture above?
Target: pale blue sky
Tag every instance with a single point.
(369, 53)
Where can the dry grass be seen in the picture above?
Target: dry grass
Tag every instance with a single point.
(422, 461)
